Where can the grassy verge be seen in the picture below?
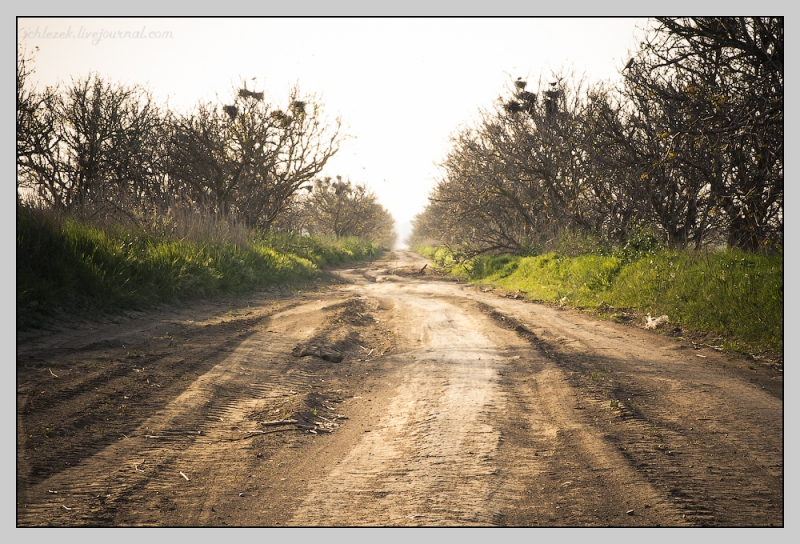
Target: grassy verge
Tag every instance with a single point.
(64, 265)
(732, 294)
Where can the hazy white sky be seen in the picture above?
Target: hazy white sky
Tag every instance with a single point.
(401, 85)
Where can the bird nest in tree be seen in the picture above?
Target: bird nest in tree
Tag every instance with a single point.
(512, 107)
(231, 111)
(282, 119)
(244, 93)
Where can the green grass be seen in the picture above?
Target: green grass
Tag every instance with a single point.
(321, 250)
(729, 292)
(736, 295)
(67, 265)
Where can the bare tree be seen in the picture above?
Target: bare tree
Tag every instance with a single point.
(519, 177)
(249, 157)
(340, 208)
(91, 146)
(691, 144)
(719, 81)
(38, 150)
(107, 145)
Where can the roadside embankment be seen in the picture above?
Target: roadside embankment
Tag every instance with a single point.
(73, 267)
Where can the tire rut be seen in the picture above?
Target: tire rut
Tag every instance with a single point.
(193, 431)
(640, 399)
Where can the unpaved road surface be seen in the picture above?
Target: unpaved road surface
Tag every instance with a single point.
(394, 398)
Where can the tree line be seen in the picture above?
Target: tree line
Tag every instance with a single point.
(98, 148)
(688, 146)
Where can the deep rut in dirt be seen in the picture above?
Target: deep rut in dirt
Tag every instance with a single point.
(694, 428)
(130, 477)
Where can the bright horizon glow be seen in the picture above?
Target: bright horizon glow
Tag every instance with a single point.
(402, 86)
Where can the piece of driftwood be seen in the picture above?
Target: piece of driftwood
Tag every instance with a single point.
(278, 431)
(280, 422)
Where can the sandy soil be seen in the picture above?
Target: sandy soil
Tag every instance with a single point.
(394, 397)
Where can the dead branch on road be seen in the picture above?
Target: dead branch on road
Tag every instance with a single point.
(280, 422)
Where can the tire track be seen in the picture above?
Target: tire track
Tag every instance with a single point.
(123, 481)
(719, 466)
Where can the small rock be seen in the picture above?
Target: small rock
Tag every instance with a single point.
(630, 512)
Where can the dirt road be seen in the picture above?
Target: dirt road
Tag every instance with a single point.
(393, 397)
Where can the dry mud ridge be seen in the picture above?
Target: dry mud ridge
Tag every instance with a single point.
(391, 397)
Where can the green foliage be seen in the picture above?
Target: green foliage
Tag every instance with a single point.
(494, 266)
(66, 265)
(553, 276)
(640, 243)
(442, 256)
(732, 293)
(729, 292)
(321, 250)
(426, 251)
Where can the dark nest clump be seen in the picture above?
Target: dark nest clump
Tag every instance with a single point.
(231, 111)
(281, 118)
(244, 93)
